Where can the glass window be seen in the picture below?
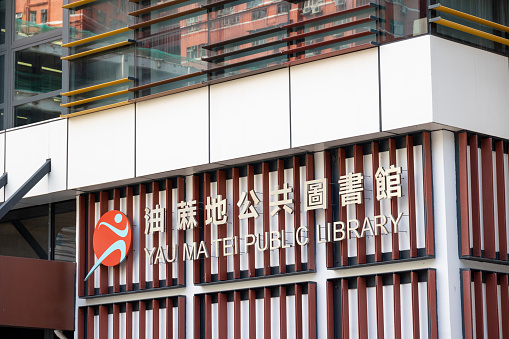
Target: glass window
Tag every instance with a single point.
(2, 60)
(28, 23)
(38, 70)
(44, 16)
(2, 21)
(39, 110)
(26, 232)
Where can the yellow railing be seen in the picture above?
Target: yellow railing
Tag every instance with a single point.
(466, 29)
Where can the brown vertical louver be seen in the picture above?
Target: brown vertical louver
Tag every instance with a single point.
(488, 208)
(82, 231)
(103, 270)
(501, 214)
(90, 248)
(296, 212)
(267, 329)
(414, 287)
(343, 209)
(116, 269)
(221, 229)
(155, 319)
(397, 305)
(362, 308)
(375, 163)
(250, 222)
(236, 221)
(428, 194)
(329, 253)
(474, 194)
(463, 187)
(265, 217)
(129, 260)
(411, 196)
(310, 217)
(141, 231)
(281, 214)
(379, 289)
(155, 236)
(181, 236)
(394, 202)
(207, 266)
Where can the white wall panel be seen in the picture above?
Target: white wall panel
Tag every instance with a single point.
(24, 157)
(405, 78)
(250, 116)
(335, 98)
(470, 88)
(101, 147)
(172, 132)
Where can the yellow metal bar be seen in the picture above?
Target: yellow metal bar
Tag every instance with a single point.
(99, 97)
(102, 108)
(440, 8)
(77, 3)
(97, 50)
(470, 30)
(96, 37)
(93, 88)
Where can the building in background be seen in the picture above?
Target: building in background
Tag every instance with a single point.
(288, 169)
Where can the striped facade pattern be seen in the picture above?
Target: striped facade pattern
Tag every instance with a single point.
(416, 236)
(393, 305)
(279, 311)
(154, 318)
(485, 302)
(483, 169)
(283, 311)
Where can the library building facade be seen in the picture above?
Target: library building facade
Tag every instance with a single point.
(254, 169)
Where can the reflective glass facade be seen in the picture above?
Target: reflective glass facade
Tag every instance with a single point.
(30, 66)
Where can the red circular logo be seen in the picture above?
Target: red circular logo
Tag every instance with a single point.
(112, 238)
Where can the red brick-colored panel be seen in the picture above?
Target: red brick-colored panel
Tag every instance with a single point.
(141, 232)
(479, 312)
(236, 315)
(181, 236)
(463, 188)
(116, 321)
(412, 227)
(129, 260)
(298, 311)
(169, 228)
(222, 302)
(282, 312)
(360, 208)
(155, 236)
(267, 329)
(501, 214)
(116, 269)
(492, 305)
(394, 202)
(208, 316)
(236, 221)
(362, 308)
(207, 266)
(345, 324)
(82, 231)
(155, 319)
(142, 320)
(488, 208)
(379, 307)
(103, 270)
(396, 285)
(466, 277)
(375, 163)
(281, 214)
(428, 194)
(182, 317)
(414, 287)
(250, 222)
(252, 314)
(221, 230)
(310, 217)
(329, 252)
(265, 216)
(90, 248)
(296, 211)
(343, 209)
(474, 194)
